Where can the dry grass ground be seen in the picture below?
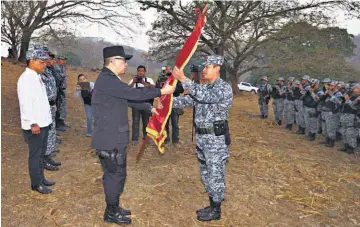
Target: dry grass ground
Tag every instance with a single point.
(274, 178)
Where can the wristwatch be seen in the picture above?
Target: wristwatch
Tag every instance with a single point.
(32, 125)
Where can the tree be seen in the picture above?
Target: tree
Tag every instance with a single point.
(72, 59)
(300, 48)
(235, 29)
(26, 17)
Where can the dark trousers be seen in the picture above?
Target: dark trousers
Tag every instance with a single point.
(114, 175)
(174, 118)
(37, 148)
(136, 114)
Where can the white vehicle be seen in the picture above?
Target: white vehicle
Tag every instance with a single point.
(243, 86)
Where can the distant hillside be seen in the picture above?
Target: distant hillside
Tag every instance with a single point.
(87, 52)
(356, 59)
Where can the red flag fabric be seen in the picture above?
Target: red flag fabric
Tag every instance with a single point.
(156, 126)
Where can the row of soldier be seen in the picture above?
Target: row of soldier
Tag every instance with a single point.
(327, 107)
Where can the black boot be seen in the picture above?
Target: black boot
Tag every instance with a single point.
(48, 183)
(206, 209)
(320, 131)
(350, 150)
(289, 127)
(326, 141)
(279, 122)
(345, 148)
(300, 131)
(122, 211)
(50, 167)
(338, 136)
(52, 161)
(331, 143)
(312, 136)
(41, 189)
(262, 116)
(213, 214)
(113, 216)
(265, 116)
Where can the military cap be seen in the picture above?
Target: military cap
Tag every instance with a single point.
(51, 55)
(291, 79)
(113, 51)
(280, 78)
(61, 57)
(306, 77)
(264, 78)
(355, 85)
(333, 83)
(326, 80)
(314, 81)
(214, 60)
(36, 54)
(340, 84)
(297, 82)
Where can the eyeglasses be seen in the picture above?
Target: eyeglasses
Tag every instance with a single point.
(121, 59)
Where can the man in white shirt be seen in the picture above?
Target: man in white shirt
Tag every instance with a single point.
(35, 117)
(139, 82)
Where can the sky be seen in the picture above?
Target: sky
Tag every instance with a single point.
(141, 41)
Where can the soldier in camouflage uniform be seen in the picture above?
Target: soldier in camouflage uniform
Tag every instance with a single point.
(289, 104)
(265, 90)
(299, 105)
(278, 95)
(321, 94)
(330, 113)
(311, 115)
(212, 102)
(348, 119)
(62, 104)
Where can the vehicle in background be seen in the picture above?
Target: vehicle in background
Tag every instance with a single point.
(244, 86)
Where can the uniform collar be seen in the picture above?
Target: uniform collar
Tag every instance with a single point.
(215, 82)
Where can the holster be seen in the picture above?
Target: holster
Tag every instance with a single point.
(222, 128)
(112, 160)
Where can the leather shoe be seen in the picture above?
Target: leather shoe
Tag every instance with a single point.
(52, 161)
(50, 167)
(115, 217)
(41, 189)
(48, 183)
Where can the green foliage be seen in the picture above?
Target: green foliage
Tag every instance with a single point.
(72, 59)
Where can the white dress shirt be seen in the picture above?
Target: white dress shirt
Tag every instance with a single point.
(33, 100)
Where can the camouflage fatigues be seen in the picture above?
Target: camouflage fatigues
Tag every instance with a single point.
(289, 106)
(348, 120)
(51, 91)
(212, 103)
(299, 107)
(278, 101)
(310, 112)
(331, 115)
(264, 95)
(62, 105)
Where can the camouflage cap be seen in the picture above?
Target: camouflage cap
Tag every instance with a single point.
(297, 82)
(61, 57)
(291, 79)
(306, 77)
(280, 78)
(314, 81)
(355, 85)
(333, 83)
(340, 84)
(214, 60)
(264, 78)
(41, 47)
(326, 80)
(36, 54)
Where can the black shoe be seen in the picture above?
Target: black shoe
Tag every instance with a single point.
(41, 189)
(300, 131)
(56, 150)
(206, 209)
(115, 217)
(213, 214)
(265, 116)
(345, 148)
(50, 167)
(120, 210)
(61, 128)
(58, 140)
(48, 183)
(52, 161)
(167, 141)
(312, 136)
(338, 136)
(326, 141)
(262, 116)
(331, 143)
(279, 122)
(320, 131)
(350, 150)
(289, 127)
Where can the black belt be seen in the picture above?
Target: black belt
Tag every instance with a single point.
(202, 131)
(52, 102)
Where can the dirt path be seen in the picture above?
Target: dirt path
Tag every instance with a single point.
(274, 178)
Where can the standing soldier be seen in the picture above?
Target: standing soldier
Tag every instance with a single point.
(348, 119)
(212, 103)
(322, 97)
(265, 90)
(62, 105)
(289, 104)
(311, 115)
(299, 105)
(278, 95)
(51, 90)
(331, 113)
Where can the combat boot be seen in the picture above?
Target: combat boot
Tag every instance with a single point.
(289, 127)
(320, 131)
(331, 143)
(113, 216)
(350, 150)
(50, 167)
(206, 209)
(213, 214)
(52, 161)
(345, 148)
(279, 122)
(262, 116)
(326, 141)
(338, 136)
(300, 131)
(312, 136)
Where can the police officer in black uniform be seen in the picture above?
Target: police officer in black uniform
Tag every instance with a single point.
(111, 129)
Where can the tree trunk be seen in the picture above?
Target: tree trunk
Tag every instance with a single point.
(25, 42)
(14, 51)
(234, 83)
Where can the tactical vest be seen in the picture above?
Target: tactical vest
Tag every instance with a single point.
(275, 94)
(297, 94)
(263, 90)
(309, 101)
(347, 109)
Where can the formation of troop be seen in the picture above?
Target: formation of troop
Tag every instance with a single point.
(47, 73)
(327, 107)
